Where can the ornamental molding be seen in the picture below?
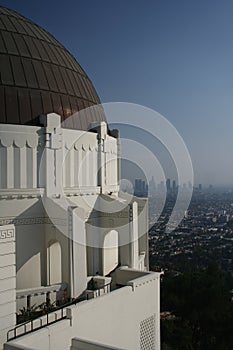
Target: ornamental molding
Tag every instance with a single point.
(77, 146)
(10, 194)
(18, 140)
(116, 215)
(33, 221)
(7, 233)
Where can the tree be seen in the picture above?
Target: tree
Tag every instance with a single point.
(202, 304)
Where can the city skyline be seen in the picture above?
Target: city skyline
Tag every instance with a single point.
(175, 58)
(151, 186)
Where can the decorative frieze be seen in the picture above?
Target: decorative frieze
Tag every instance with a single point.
(32, 221)
(7, 233)
(116, 215)
(18, 139)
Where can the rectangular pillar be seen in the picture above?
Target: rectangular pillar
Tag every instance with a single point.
(7, 281)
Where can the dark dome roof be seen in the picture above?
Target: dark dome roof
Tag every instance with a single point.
(39, 76)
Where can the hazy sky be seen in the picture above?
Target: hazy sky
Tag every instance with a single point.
(175, 56)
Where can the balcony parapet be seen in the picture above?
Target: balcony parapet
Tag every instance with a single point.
(28, 297)
(135, 278)
(98, 286)
(78, 344)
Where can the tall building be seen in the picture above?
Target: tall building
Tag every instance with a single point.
(161, 187)
(152, 186)
(70, 242)
(190, 186)
(140, 188)
(174, 187)
(168, 185)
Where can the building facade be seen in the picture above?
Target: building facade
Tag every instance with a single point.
(68, 236)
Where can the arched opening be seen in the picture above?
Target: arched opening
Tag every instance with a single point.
(110, 252)
(54, 263)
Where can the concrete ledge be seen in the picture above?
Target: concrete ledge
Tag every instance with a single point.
(125, 274)
(39, 290)
(21, 193)
(8, 346)
(84, 190)
(135, 278)
(80, 344)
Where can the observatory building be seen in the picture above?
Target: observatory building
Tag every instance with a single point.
(74, 270)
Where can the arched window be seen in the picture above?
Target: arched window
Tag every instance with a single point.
(54, 263)
(110, 252)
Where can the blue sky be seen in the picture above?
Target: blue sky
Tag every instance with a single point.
(173, 56)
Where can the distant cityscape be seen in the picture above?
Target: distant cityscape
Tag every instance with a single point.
(144, 188)
(205, 234)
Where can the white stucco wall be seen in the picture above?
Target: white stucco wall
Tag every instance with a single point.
(76, 154)
(78, 344)
(119, 319)
(68, 167)
(7, 281)
(69, 173)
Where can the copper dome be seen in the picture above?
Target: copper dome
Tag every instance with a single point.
(39, 76)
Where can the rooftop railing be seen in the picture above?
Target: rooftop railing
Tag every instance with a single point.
(37, 323)
(59, 313)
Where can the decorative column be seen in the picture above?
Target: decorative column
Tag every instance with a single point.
(52, 159)
(101, 128)
(133, 228)
(78, 258)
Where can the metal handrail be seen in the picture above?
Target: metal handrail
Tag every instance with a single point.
(41, 318)
(41, 325)
(99, 289)
(103, 287)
